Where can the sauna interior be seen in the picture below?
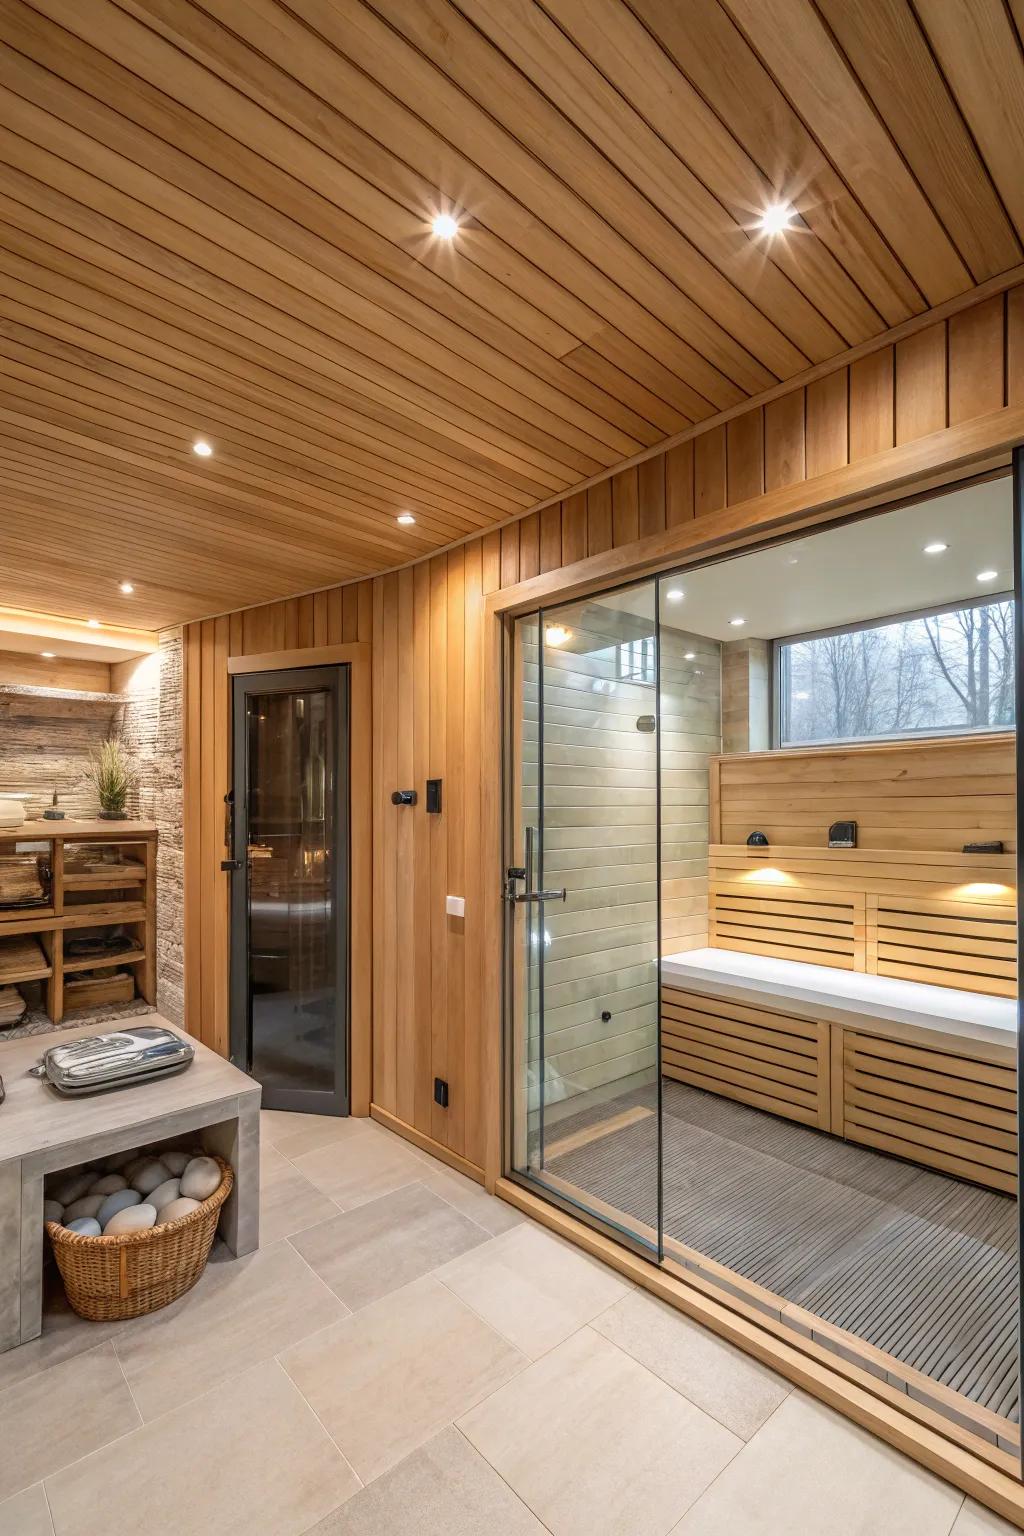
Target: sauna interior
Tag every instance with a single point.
(811, 1101)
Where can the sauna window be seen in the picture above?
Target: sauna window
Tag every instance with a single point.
(636, 661)
(940, 672)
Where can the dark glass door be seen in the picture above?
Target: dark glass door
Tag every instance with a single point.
(289, 928)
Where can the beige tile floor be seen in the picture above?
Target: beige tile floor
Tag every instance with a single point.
(405, 1356)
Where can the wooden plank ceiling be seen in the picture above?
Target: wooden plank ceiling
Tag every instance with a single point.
(215, 221)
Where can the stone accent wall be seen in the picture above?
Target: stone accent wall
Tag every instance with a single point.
(150, 725)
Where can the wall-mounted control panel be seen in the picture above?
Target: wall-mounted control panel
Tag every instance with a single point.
(433, 797)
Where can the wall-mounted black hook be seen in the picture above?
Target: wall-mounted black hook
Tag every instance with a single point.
(403, 797)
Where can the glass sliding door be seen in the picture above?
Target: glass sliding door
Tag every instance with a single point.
(583, 908)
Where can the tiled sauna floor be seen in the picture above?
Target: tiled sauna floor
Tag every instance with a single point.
(919, 1265)
(406, 1356)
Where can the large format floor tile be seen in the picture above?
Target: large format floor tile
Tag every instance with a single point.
(57, 1416)
(247, 1459)
(289, 1203)
(64, 1336)
(533, 1288)
(975, 1521)
(472, 1199)
(726, 1383)
(596, 1444)
(239, 1314)
(362, 1167)
(809, 1472)
(391, 1376)
(443, 1489)
(27, 1514)
(383, 1245)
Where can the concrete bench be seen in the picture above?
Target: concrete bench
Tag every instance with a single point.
(40, 1131)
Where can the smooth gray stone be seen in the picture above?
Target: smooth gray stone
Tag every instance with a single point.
(53, 1210)
(89, 1205)
(109, 1184)
(70, 1187)
(176, 1162)
(119, 1161)
(134, 1218)
(150, 1176)
(201, 1178)
(164, 1193)
(119, 1201)
(176, 1208)
(88, 1226)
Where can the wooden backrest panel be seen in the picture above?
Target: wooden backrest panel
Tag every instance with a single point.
(948, 919)
(946, 943)
(821, 927)
(925, 796)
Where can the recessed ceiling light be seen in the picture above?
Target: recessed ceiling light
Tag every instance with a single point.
(938, 548)
(689, 655)
(406, 519)
(202, 447)
(445, 227)
(557, 634)
(93, 624)
(801, 695)
(48, 655)
(127, 588)
(737, 622)
(987, 575)
(776, 218)
(674, 594)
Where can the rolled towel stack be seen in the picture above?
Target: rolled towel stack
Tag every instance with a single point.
(130, 1192)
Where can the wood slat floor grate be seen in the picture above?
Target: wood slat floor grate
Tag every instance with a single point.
(915, 1263)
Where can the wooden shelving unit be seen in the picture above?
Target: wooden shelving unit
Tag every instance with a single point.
(125, 891)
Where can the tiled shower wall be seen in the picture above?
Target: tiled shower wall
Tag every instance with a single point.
(601, 841)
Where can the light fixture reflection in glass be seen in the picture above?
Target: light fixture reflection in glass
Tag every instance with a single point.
(938, 548)
(737, 622)
(689, 655)
(674, 595)
(987, 575)
(557, 634)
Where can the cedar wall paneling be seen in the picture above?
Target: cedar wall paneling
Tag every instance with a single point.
(426, 630)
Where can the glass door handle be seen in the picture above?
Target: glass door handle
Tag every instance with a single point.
(258, 851)
(539, 895)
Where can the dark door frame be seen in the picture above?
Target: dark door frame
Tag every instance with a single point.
(335, 678)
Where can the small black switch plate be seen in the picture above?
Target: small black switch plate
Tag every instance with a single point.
(441, 1092)
(434, 797)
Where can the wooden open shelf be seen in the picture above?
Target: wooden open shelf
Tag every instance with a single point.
(40, 930)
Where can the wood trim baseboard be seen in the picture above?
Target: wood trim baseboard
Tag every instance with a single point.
(427, 1143)
(920, 1433)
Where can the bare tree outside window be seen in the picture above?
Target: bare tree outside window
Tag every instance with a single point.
(932, 674)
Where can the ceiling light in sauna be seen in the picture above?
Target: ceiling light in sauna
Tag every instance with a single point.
(776, 218)
(93, 624)
(737, 622)
(987, 575)
(557, 634)
(938, 548)
(202, 448)
(48, 655)
(674, 595)
(445, 227)
(405, 519)
(127, 588)
(689, 655)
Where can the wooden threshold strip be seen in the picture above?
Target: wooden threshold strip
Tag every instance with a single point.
(937, 1442)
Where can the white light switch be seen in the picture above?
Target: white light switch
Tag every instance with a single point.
(455, 906)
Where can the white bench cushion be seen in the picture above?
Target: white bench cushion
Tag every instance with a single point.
(842, 997)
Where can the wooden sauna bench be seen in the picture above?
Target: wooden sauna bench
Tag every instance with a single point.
(927, 1073)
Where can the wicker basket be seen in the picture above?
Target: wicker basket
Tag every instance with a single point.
(108, 1279)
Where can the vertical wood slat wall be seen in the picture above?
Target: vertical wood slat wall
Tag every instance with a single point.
(426, 627)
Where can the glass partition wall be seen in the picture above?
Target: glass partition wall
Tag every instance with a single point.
(762, 935)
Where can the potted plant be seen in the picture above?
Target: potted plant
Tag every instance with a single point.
(112, 773)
